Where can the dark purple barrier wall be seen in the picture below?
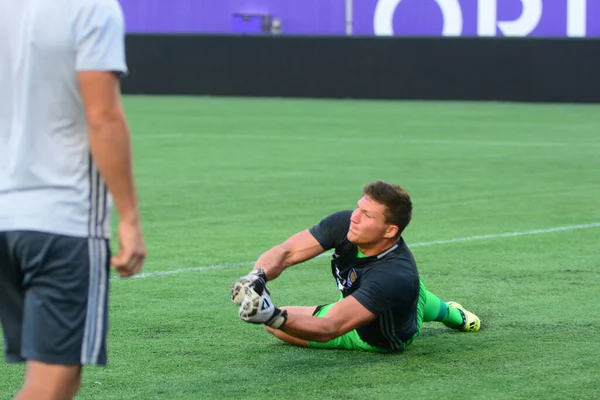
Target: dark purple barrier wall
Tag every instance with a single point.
(557, 70)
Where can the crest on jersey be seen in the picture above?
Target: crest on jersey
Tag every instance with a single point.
(352, 276)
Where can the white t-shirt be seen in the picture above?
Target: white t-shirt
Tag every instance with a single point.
(48, 181)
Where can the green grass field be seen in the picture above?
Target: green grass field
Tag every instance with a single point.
(222, 180)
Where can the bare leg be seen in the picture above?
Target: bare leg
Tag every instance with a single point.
(50, 382)
(297, 310)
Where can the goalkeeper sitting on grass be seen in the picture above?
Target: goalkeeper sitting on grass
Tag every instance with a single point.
(383, 301)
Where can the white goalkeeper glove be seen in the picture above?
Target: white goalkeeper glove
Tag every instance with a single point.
(257, 308)
(250, 281)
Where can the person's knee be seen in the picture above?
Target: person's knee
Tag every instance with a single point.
(74, 386)
(51, 382)
(49, 389)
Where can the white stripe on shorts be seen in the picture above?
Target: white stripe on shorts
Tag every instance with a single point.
(94, 330)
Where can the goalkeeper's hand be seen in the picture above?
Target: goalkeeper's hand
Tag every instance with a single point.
(257, 280)
(257, 308)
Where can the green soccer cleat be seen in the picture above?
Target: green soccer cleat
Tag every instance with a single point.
(471, 322)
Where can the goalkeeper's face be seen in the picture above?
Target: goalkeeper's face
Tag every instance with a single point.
(368, 224)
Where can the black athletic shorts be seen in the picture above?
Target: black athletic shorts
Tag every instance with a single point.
(54, 298)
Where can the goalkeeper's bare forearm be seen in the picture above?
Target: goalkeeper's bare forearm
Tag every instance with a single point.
(299, 248)
(343, 317)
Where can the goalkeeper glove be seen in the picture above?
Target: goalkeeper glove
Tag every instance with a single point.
(257, 279)
(257, 308)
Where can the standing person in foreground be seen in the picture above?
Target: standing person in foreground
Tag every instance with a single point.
(64, 156)
(383, 300)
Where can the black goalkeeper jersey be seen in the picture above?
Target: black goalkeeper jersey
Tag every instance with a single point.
(386, 284)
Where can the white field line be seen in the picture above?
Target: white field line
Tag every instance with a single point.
(421, 244)
(362, 140)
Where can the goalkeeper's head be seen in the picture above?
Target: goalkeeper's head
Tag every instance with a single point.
(382, 214)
